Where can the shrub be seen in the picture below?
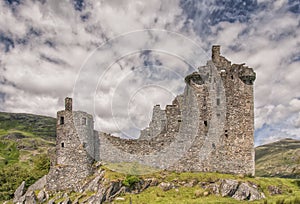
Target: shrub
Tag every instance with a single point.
(130, 180)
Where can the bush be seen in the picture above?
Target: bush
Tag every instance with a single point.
(130, 180)
(42, 163)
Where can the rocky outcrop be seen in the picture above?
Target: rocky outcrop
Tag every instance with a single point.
(235, 189)
(228, 187)
(274, 190)
(246, 191)
(99, 189)
(166, 186)
(22, 197)
(225, 187)
(39, 184)
(19, 193)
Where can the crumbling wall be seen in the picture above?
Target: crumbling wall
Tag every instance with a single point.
(157, 124)
(214, 117)
(166, 148)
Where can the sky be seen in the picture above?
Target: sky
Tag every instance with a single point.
(119, 58)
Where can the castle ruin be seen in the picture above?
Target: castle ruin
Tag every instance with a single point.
(208, 128)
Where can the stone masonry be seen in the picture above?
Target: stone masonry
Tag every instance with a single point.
(208, 128)
(74, 149)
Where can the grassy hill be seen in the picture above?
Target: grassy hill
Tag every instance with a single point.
(278, 159)
(24, 142)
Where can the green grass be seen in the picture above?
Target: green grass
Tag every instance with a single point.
(8, 152)
(187, 195)
(290, 188)
(24, 141)
(131, 168)
(181, 195)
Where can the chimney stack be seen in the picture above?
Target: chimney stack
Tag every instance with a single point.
(215, 53)
(68, 104)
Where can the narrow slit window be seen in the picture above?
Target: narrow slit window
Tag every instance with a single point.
(62, 120)
(84, 121)
(226, 133)
(218, 101)
(62, 144)
(205, 123)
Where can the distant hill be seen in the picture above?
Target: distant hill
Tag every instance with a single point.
(24, 143)
(278, 159)
(38, 125)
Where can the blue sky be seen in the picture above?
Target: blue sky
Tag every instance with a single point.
(48, 46)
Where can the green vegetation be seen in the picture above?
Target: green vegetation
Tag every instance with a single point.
(9, 153)
(188, 195)
(290, 191)
(290, 188)
(131, 168)
(280, 159)
(36, 125)
(24, 142)
(12, 175)
(130, 180)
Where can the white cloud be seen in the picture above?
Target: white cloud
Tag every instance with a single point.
(38, 75)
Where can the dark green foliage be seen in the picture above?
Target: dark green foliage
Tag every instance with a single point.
(41, 164)
(130, 180)
(297, 182)
(13, 174)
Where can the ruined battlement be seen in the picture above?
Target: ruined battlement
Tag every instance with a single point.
(212, 121)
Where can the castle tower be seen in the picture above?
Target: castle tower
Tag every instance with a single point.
(74, 148)
(235, 151)
(223, 92)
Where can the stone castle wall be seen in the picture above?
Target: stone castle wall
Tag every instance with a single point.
(157, 124)
(218, 101)
(161, 151)
(207, 128)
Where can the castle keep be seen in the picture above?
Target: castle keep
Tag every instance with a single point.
(209, 127)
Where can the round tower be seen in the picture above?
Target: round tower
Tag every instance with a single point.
(74, 141)
(74, 148)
